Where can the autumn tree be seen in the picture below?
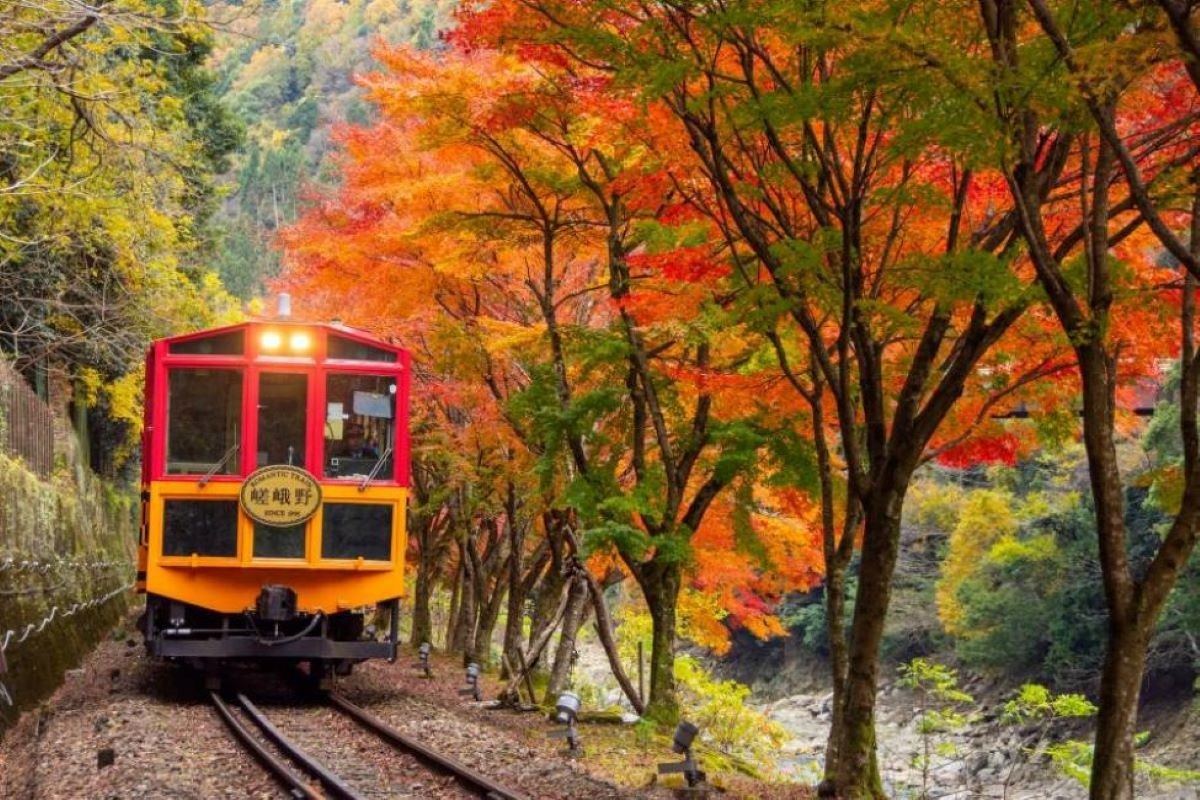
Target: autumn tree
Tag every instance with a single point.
(109, 143)
(845, 231)
(1116, 88)
(531, 224)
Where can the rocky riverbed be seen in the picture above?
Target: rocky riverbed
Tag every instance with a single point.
(983, 759)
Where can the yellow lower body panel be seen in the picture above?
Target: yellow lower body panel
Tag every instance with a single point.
(233, 590)
(230, 582)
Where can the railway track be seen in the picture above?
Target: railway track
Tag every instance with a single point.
(296, 744)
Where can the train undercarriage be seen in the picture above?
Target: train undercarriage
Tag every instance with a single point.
(273, 632)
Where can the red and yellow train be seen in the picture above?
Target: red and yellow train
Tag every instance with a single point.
(274, 481)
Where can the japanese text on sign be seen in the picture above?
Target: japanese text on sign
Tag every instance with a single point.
(280, 495)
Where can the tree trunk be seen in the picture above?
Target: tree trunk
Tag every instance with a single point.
(545, 604)
(660, 584)
(835, 612)
(452, 615)
(422, 622)
(464, 625)
(516, 593)
(564, 657)
(604, 629)
(856, 771)
(520, 587)
(1116, 724)
(489, 614)
(537, 645)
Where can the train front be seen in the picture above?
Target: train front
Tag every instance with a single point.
(275, 473)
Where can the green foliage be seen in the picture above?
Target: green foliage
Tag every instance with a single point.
(1036, 702)
(1074, 759)
(935, 681)
(286, 68)
(936, 687)
(1012, 587)
(1022, 573)
(719, 708)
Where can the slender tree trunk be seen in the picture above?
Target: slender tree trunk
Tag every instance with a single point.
(604, 629)
(464, 626)
(660, 584)
(422, 624)
(546, 603)
(857, 768)
(564, 656)
(489, 614)
(538, 644)
(516, 593)
(1124, 662)
(514, 631)
(452, 615)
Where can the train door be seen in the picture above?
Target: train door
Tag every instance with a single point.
(282, 424)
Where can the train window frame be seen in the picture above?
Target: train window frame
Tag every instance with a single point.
(346, 338)
(175, 559)
(235, 460)
(316, 364)
(257, 376)
(232, 338)
(396, 541)
(398, 418)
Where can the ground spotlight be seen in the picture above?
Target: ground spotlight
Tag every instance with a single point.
(685, 734)
(566, 711)
(423, 654)
(472, 682)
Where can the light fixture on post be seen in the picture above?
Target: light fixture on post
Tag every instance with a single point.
(685, 734)
(472, 682)
(423, 656)
(566, 711)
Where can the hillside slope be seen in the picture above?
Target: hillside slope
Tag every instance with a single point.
(286, 68)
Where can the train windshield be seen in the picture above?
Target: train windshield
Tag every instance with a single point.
(282, 415)
(360, 425)
(204, 412)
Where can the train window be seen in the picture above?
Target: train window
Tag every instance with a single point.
(282, 413)
(204, 414)
(351, 350)
(360, 414)
(354, 530)
(203, 527)
(223, 344)
(274, 542)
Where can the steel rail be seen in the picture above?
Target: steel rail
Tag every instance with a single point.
(336, 786)
(471, 779)
(297, 785)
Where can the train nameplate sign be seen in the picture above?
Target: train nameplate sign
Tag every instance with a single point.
(280, 495)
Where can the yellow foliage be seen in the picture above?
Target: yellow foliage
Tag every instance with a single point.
(987, 517)
(88, 385)
(700, 616)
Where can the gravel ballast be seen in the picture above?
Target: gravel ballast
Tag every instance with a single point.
(122, 726)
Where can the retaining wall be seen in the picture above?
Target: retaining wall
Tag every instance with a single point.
(65, 544)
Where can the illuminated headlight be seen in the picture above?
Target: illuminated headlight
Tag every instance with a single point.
(271, 340)
(299, 342)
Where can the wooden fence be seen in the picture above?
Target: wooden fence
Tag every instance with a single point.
(26, 423)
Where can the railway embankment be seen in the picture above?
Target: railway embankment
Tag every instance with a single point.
(67, 543)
